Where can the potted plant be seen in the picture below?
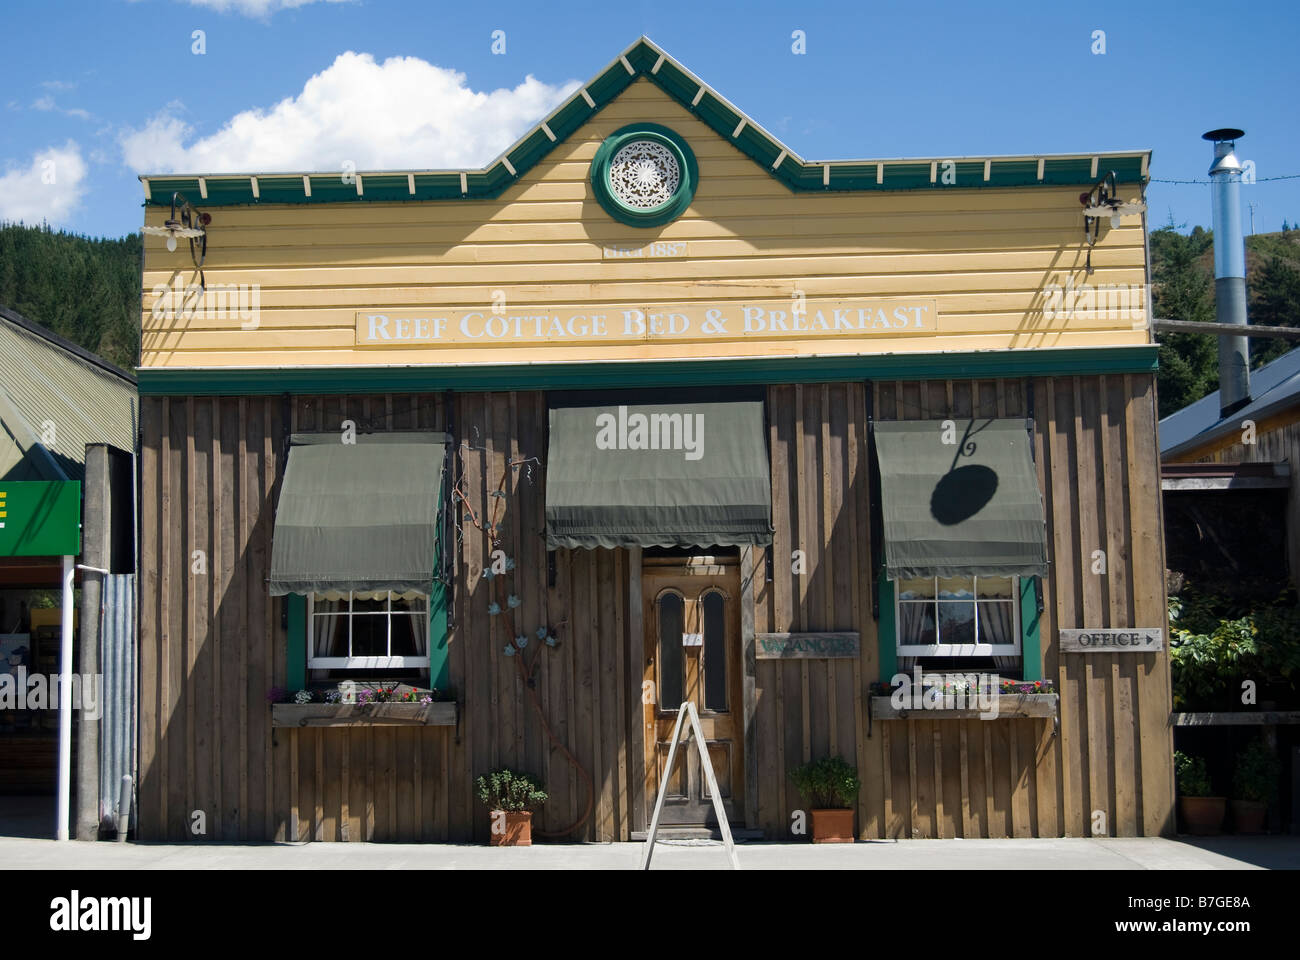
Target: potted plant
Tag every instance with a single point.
(510, 799)
(1254, 784)
(830, 787)
(1202, 814)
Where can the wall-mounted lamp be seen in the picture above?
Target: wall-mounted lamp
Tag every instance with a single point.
(185, 223)
(1103, 201)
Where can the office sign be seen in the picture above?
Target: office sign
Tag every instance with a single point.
(802, 319)
(1113, 640)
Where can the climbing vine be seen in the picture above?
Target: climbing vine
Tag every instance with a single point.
(526, 647)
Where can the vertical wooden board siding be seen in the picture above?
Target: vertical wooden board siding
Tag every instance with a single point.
(978, 782)
(149, 792)
(918, 777)
(800, 509)
(177, 594)
(1048, 748)
(1000, 824)
(949, 761)
(530, 588)
(505, 691)
(1150, 606)
(558, 810)
(1020, 779)
(1092, 532)
(1120, 588)
(257, 679)
(813, 585)
(476, 592)
(870, 748)
(578, 791)
(635, 708)
(604, 648)
(199, 689)
(1067, 591)
(780, 436)
(193, 587)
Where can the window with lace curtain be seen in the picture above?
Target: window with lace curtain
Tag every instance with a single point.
(373, 635)
(959, 617)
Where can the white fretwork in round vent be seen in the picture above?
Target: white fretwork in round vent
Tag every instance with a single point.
(644, 174)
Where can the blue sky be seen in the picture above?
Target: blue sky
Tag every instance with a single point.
(99, 90)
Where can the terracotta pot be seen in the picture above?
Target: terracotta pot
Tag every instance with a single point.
(832, 826)
(508, 828)
(1248, 816)
(1203, 816)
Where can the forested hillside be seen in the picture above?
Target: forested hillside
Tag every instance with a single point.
(86, 290)
(1182, 268)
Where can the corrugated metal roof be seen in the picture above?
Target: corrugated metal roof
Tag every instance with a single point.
(1273, 387)
(54, 399)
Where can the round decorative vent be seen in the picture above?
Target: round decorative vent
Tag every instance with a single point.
(644, 175)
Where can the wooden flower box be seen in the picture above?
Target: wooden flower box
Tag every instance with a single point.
(441, 714)
(1010, 706)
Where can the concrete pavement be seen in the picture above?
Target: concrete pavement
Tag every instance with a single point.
(1217, 853)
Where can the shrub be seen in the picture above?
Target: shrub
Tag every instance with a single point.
(1256, 773)
(1193, 777)
(827, 783)
(503, 790)
(1215, 641)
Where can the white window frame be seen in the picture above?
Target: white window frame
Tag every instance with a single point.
(958, 649)
(363, 663)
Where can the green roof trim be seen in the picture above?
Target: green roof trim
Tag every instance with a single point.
(1029, 362)
(763, 148)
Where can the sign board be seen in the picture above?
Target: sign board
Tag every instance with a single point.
(806, 646)
(1113, 640)
(40, 518)
(801, 319)
(692, 639)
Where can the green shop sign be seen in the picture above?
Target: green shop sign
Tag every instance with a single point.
(40, 518)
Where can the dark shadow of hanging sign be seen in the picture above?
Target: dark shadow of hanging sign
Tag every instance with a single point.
(962, 493)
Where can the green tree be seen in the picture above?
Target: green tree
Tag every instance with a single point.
(1275, 301)
(1182, 291)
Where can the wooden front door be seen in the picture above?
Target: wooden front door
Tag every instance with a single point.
(692, 645)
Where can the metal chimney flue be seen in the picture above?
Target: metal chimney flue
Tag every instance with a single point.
(1229, 269)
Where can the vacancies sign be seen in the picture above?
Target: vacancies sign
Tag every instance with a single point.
(593, 325)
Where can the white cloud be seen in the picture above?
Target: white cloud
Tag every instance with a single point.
(46, 103)
(48, 188)
(400, 114)
(256, 8)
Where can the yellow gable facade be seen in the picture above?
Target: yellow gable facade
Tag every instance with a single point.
(543, 274)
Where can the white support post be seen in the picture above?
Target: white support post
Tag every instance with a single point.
(65, 703)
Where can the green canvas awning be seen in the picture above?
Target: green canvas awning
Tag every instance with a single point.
(358, 516)
(970, 506)
(658, 475)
